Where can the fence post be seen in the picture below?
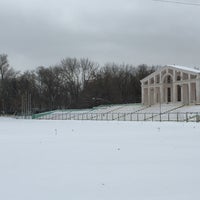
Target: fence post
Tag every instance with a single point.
(177, 116)
(152, 116)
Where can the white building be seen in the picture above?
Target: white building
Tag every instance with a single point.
(172, 84)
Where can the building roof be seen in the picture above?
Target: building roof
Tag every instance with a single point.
(181, 68)
(189, 69)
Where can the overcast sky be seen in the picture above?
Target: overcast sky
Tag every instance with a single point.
(43, 32)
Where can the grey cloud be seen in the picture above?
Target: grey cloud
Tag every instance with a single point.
(134, 32)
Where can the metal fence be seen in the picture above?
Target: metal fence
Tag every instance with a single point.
(178, 116)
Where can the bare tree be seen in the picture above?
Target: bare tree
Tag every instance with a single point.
(88, 70)
(5, 70)
(6, 73)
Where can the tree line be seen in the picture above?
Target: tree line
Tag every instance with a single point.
(73, 83)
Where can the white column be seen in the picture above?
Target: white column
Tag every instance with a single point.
(174, 93)
(189, 93)
(182, 100)
(155, 83)
(181, 76)
(155, 95)
(142, 95)
(174, 75)
(161, 89)
(160, 78)
(198, 90)
(149, 95)
(161, 94)
(174, 87)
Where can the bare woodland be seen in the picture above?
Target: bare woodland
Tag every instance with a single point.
(73, 83)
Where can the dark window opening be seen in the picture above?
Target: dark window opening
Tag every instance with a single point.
(178, 78)
(178, 93)
(168, 94)
(169, 80)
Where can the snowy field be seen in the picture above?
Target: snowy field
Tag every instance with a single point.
(96, 160)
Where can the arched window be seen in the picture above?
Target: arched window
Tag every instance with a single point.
(168, 79)
(178, 78)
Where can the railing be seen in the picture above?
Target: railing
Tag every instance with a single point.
(178, 116)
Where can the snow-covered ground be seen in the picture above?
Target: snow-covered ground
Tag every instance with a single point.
(99, 160)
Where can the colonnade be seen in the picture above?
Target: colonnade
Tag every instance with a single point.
(171, 85)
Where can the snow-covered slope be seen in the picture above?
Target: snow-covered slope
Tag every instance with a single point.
(95, 160)
(129, 112)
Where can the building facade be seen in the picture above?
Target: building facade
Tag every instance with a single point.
(171, 84)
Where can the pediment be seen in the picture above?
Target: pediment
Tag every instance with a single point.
(170, 69)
